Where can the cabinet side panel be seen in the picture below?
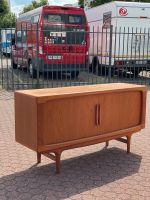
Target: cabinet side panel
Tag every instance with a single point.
(26, 121)
(143, 108)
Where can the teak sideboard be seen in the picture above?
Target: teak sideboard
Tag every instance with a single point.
(50, 121)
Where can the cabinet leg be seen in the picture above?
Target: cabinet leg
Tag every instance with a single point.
(107, 143)
(128, 143)
(38, 157)
(58, 155)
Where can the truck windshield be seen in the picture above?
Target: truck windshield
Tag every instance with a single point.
(64, 18)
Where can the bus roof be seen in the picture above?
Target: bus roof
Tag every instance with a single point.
(28, 15)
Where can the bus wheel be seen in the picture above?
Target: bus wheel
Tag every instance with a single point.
(32, 71)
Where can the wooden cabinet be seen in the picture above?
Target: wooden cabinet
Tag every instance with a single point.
(52, 120)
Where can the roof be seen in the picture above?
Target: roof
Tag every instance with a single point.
(131, 4)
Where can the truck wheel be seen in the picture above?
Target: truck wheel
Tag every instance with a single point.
(135, 72)
(111, 72)
(32, 71)
(74, 74)
(14, 65)
(95, 65)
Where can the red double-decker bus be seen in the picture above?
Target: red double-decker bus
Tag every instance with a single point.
(52, 39)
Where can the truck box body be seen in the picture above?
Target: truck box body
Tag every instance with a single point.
(6, 37)
(119, 34)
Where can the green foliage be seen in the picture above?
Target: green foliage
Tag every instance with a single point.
(81, 3)
(8, 20)
(44, 2)
(28, 8)
(99, 2)
(35, 4)
(4, 8)
(94, 2)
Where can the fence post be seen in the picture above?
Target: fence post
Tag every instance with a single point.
(37, 55)
(110, 53)
(1, 57)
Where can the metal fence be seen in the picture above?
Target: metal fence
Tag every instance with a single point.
(34, 57)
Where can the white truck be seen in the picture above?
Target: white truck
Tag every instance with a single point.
(6, 38)
(120, 36)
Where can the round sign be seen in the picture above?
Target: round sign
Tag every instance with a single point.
(123, 11)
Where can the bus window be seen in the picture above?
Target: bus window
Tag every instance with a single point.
(35, 19)
(21, 36)
(18, 36)
(24, 36)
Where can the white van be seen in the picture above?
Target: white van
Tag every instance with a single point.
(6, 38)
(119, 36)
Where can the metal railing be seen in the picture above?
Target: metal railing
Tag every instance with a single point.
(33, 57)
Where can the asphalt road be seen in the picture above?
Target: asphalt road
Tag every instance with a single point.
(20, 79)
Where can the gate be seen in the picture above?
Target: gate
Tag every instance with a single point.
(61, 58)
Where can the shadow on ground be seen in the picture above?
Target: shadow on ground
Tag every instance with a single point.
(78, 175)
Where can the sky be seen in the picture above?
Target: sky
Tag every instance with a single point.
(17, 5)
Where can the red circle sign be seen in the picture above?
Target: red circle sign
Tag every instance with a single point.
(123, 11)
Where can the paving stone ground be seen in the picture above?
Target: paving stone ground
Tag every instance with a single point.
(89, 173)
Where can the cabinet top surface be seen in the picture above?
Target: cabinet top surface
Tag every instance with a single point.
(49, 92)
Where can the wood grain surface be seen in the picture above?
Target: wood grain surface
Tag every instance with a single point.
(52, 120)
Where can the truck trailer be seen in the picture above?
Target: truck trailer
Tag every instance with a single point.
(6, 36)
(119, 36)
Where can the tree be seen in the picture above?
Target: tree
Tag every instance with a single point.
(81, 3)
(7, 19)
(99, 2)
(28, 8)
(35, 4)
(4, 8)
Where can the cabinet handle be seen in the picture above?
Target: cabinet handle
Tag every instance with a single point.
(96, 114)
(99, 114)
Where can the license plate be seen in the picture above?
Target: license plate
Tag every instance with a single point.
(51, 57)
(141, 62)
(58, 34)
